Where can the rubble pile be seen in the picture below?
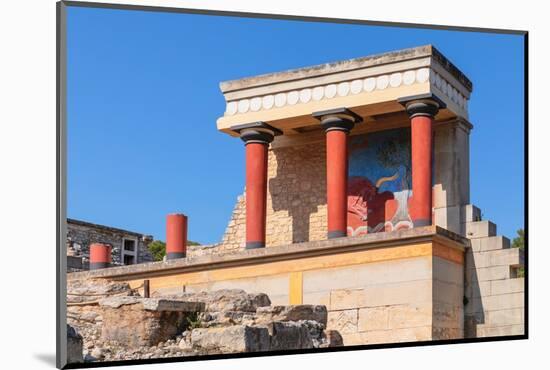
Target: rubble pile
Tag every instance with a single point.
(113, 322)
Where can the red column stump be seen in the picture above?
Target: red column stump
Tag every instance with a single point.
(100, 256)
(176, 236)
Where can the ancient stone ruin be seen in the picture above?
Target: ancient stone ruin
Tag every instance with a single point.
(111, 321)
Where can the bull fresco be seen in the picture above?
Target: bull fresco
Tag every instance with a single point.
(379, 182)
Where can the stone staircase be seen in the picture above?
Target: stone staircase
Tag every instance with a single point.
(494, 294)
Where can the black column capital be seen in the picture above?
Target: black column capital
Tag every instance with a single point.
(341, 119)
(422, 105)
(256, 132)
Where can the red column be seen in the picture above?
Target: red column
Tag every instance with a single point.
(256, 136)
(176, 236)
(256, 194)
(421, 109)
(337, 183)
(100, 256)
(337, 124)
(420, 206)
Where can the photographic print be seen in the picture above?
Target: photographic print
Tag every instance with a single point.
(241, 185)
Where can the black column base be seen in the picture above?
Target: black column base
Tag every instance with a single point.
(336, 234)
(255, 245)
(99, 265)
(422, 222)
(175, 255)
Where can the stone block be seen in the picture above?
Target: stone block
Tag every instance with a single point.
(345, 299)
(152, 304)
(231, 339)
(488, 273)
(317, 298)
(360, 276)
(447, 333)
(506, 257)
(289, 335)
(480, 229)
(478, 289)
(292, 313)
(226, 300)
(490, 243)
(448, 218)
(503, 301)
(373, 318)
(446, 315)
(398, 293)
(448, 292)
(513, 316)
(499, 331)
(471, 213)
(410, 315)
(133, 327)
(507, 286)
(447, 271)
(343, 321)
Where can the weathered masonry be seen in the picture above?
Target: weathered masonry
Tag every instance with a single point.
(358, 197)
(127, 247)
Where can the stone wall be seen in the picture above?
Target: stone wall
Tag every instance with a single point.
(296, 200)
(80, 235)
(495, 295)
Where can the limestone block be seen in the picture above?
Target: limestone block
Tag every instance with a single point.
(289, 335)
(499, 331)
(488, 273)
(448, 218)
(447, 333)
(507, 286)
(398, 293)
(231, 339)
(373, 318)
(134, 327)
(359, 276)
(343, 321)
(345, 299)
(503, 301)
(152, 304)
(410, 315)
(513, 316)
(480, 229)
(448, 292)
(477, 259)
(478, 289)
(321, 298)
(490, 243)
(506, 257)
(446, 315)
(292, 313)
(362, 338)
(389, 336)
(471, 213)
(226, 300)
(447, 271)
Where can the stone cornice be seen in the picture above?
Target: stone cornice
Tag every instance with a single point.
(359, 81)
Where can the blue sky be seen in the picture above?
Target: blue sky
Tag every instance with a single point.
(143, 99)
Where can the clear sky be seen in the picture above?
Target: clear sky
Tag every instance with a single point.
(143, 99)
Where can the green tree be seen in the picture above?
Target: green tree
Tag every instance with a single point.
(158, 248)
(519, 242)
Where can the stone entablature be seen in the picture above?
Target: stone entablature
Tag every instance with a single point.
(370, 86)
